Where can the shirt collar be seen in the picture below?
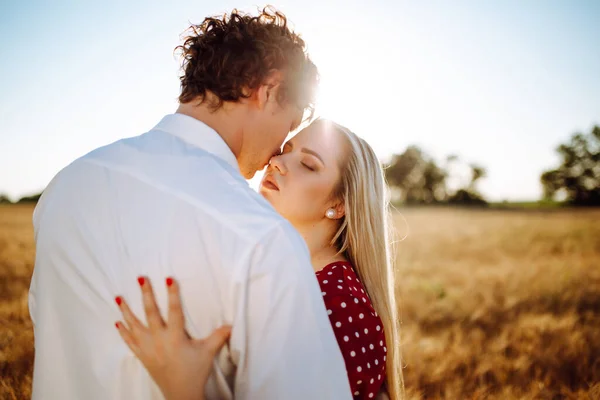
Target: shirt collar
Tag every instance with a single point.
(197, 133)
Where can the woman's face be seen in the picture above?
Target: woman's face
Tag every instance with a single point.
(299, 182)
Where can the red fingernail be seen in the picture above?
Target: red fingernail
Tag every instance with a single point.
(169, 281)
(141, 280)
(119, 300)
(117, 325)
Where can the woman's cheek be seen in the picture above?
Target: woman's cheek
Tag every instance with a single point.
(317, 192)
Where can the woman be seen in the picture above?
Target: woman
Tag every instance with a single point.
(328, 183)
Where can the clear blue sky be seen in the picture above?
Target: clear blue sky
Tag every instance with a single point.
(499, 83)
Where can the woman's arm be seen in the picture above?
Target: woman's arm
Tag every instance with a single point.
(179, 365)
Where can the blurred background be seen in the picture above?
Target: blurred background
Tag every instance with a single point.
(486, 116)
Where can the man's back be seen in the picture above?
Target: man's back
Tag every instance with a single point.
(172, 203)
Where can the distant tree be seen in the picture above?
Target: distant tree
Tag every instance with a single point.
(467, 198)
(416, 176)
(477, 172)
(578, 176)
(434, 180)
(451, 158)
(30, 199)
(4, 199)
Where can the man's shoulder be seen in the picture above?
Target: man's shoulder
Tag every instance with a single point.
(250, 214)
(186, 175)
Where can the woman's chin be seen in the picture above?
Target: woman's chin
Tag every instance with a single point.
(266, 193)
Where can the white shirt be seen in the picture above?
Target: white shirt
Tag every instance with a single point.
(172, 202)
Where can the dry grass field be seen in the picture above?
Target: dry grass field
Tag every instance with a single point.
(494, 304)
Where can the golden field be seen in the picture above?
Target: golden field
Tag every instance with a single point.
(494, 304)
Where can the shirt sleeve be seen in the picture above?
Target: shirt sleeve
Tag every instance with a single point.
(360, 335)
(282, 342)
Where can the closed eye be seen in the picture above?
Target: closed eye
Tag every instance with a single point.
(308, 166)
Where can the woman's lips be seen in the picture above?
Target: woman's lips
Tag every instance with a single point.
(270, 183)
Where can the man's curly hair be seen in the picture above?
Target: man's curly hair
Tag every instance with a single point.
(232, 55)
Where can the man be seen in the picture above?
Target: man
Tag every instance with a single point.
(174, 202)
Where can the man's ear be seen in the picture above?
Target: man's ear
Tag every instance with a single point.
(267, 91)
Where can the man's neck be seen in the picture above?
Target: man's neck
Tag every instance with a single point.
(225, 121)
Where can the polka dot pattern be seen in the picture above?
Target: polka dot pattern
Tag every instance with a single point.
(347, 301)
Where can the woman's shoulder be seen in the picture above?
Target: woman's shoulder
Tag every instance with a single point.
(342, 274)
(343, 291)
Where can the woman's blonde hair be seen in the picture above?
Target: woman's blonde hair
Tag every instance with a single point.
(365, 238)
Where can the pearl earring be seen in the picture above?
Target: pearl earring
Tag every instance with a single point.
(330, 213)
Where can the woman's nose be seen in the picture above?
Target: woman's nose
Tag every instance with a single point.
(279, 164)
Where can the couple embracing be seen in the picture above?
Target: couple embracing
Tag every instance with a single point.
(283, 294)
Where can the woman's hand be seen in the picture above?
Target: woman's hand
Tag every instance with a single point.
(179, 365)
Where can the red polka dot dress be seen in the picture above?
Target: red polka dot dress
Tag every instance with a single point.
(357, 327)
